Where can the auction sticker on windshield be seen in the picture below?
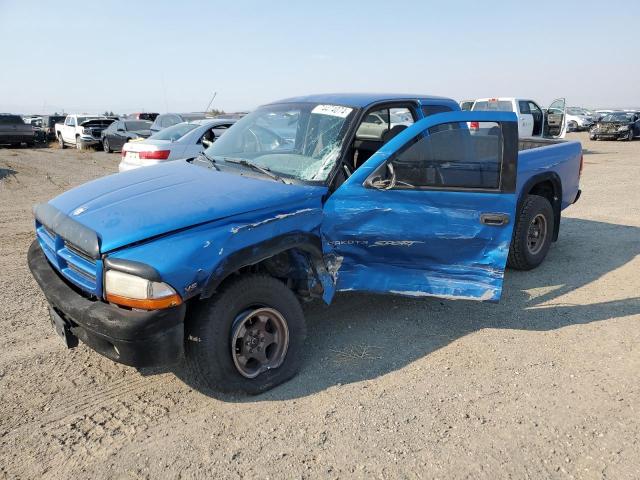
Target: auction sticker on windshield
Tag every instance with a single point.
(333, 110)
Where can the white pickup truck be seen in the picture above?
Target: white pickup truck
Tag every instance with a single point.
(533, 121)
(81, 130)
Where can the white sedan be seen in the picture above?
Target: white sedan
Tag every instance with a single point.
(184, 140)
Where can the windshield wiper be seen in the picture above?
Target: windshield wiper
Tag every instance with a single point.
(258, 168)
(211, 160)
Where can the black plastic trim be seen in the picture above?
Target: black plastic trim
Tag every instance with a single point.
(132, 337)
(557, 193)
(257, 253)
(72, 231)
(132, 267)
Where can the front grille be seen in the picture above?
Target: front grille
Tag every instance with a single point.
(74, 264)
(96, 133)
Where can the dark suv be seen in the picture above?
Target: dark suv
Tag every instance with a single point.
(14, 131)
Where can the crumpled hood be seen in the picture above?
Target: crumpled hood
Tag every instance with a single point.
(146, 202)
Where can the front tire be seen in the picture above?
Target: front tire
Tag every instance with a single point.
(106, 147)
(533, 232)
(61, 141)
(630, 136)
(248, 338)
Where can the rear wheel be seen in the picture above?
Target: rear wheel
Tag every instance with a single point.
(248, 338)
(533, 232)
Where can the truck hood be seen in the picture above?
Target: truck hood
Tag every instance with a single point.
(132, 206)
(97, 122)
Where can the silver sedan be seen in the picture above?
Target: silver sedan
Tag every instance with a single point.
(184, 140)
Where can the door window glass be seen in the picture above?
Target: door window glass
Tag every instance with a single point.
(433, 109)
(524, 107)
(378, 122)
(451, 157)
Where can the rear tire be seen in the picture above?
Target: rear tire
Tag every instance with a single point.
(532, 235)
(215, 341)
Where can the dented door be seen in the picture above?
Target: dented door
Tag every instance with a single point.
(439, 221)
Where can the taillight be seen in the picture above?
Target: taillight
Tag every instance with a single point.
(155, 155)
(123, 153)
(474, 125)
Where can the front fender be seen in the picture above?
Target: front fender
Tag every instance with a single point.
(194, 261)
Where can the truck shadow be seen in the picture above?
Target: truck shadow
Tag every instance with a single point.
(7, 172)
(361, 336)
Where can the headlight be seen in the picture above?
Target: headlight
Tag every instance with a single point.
(86, 131)
(623, 128)
(136, 292)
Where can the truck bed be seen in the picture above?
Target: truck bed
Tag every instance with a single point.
(536, 142)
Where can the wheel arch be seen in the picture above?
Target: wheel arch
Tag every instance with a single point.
(549, 186)
(310, 261)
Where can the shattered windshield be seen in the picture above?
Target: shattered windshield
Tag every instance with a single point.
(301, 141)
(618, 117)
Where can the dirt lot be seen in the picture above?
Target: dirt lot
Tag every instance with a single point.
(546, 384)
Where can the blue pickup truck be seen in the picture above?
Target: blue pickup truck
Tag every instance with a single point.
(207, 260)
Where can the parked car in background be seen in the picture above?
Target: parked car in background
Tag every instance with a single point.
(617, 126)
(39, 135)
(82, 130)
(49, 125)
(208, 260)
(578, 119)
(533, 121)
(184, 140)
(143, 116)
(466, 105)
(166, 120)
(122, 131)
(14, 131)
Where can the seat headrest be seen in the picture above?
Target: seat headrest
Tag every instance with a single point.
(389, 134)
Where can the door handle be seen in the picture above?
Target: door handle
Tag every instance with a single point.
(494, 219)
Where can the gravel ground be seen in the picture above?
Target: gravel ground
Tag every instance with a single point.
(544, 384)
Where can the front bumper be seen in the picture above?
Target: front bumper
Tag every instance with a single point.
(88, 140)
(131, 337)
(611, 135)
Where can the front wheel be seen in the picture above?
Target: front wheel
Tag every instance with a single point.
(630, 136)
(248, 338)
(106, 147)
(532, 235)
(61, 141)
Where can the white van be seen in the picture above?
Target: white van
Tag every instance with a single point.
(533, 121)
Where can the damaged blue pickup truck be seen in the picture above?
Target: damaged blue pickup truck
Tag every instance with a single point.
(207, 260)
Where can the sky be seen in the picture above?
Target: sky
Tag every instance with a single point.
(159, 56)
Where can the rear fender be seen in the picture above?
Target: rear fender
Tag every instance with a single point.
(556, 203)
